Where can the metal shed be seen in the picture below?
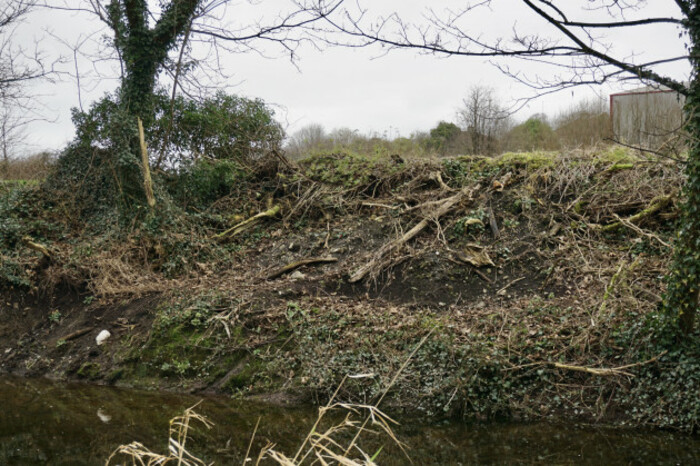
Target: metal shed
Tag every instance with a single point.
(647, 116)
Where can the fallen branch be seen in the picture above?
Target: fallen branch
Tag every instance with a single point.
(638, 230)
(377, 204)
(34, 246)
(438, 178)
(77, 334)
(295, 265)
(656, 205)
(247, 224)
(443, 207)
(502, 291)
(607, 371)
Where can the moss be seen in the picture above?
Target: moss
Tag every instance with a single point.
(89, 370)
(349, 169)
(115, 375)
(529, 160)
(246, 376)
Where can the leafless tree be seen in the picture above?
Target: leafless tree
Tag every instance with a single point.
(484, 119)
(18, 66)
(307, 139)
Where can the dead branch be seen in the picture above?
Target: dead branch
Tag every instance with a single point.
(438, 177)
(607, 371)
(636, 229)
(295, 265)
(77, 334)
(443, 207)
(247, 224)
(31, 244)
(656, 205)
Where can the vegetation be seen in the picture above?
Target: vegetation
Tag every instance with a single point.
(522, 285)
(538, 318)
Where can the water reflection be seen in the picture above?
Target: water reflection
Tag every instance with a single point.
(67, 424)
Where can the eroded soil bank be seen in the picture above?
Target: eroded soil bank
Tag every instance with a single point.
(525, 286)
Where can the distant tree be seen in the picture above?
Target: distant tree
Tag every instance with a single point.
(585, 124)
(308, 139)
(443, 138)
(483, 119)
(534, 134)
(344, 137)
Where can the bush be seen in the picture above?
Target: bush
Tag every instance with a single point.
(220, 127)
(201, 183)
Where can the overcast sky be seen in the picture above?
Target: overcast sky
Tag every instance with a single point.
(367, 89)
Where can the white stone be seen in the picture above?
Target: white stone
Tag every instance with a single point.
(297, 276)
(102, 337)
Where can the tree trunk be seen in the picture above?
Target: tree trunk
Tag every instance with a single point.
(684, 281)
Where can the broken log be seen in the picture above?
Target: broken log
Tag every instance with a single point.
(247, 224)
(443, 207)
(295, 265)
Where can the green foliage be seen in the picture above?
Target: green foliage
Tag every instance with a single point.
(533, 134)
(350, 170)
(201, 183)
(442, 137)
(221, 127)
(682, 299)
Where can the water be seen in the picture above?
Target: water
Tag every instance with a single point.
(50, 423)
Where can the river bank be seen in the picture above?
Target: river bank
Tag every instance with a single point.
(533, 281)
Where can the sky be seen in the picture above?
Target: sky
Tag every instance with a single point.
(374, 90)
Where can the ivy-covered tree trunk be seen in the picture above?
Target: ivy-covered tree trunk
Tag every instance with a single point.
(143, 49)
(683, 295)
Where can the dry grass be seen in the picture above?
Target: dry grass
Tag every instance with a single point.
(180, 427)
(328, 446)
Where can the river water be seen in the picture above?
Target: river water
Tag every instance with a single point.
(52, 423)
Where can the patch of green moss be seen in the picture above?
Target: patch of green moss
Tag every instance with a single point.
(89, 370)
(528, 160)
(349, 169)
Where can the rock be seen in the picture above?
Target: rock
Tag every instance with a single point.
(297, 276)
(102, 337)
(104, 417)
